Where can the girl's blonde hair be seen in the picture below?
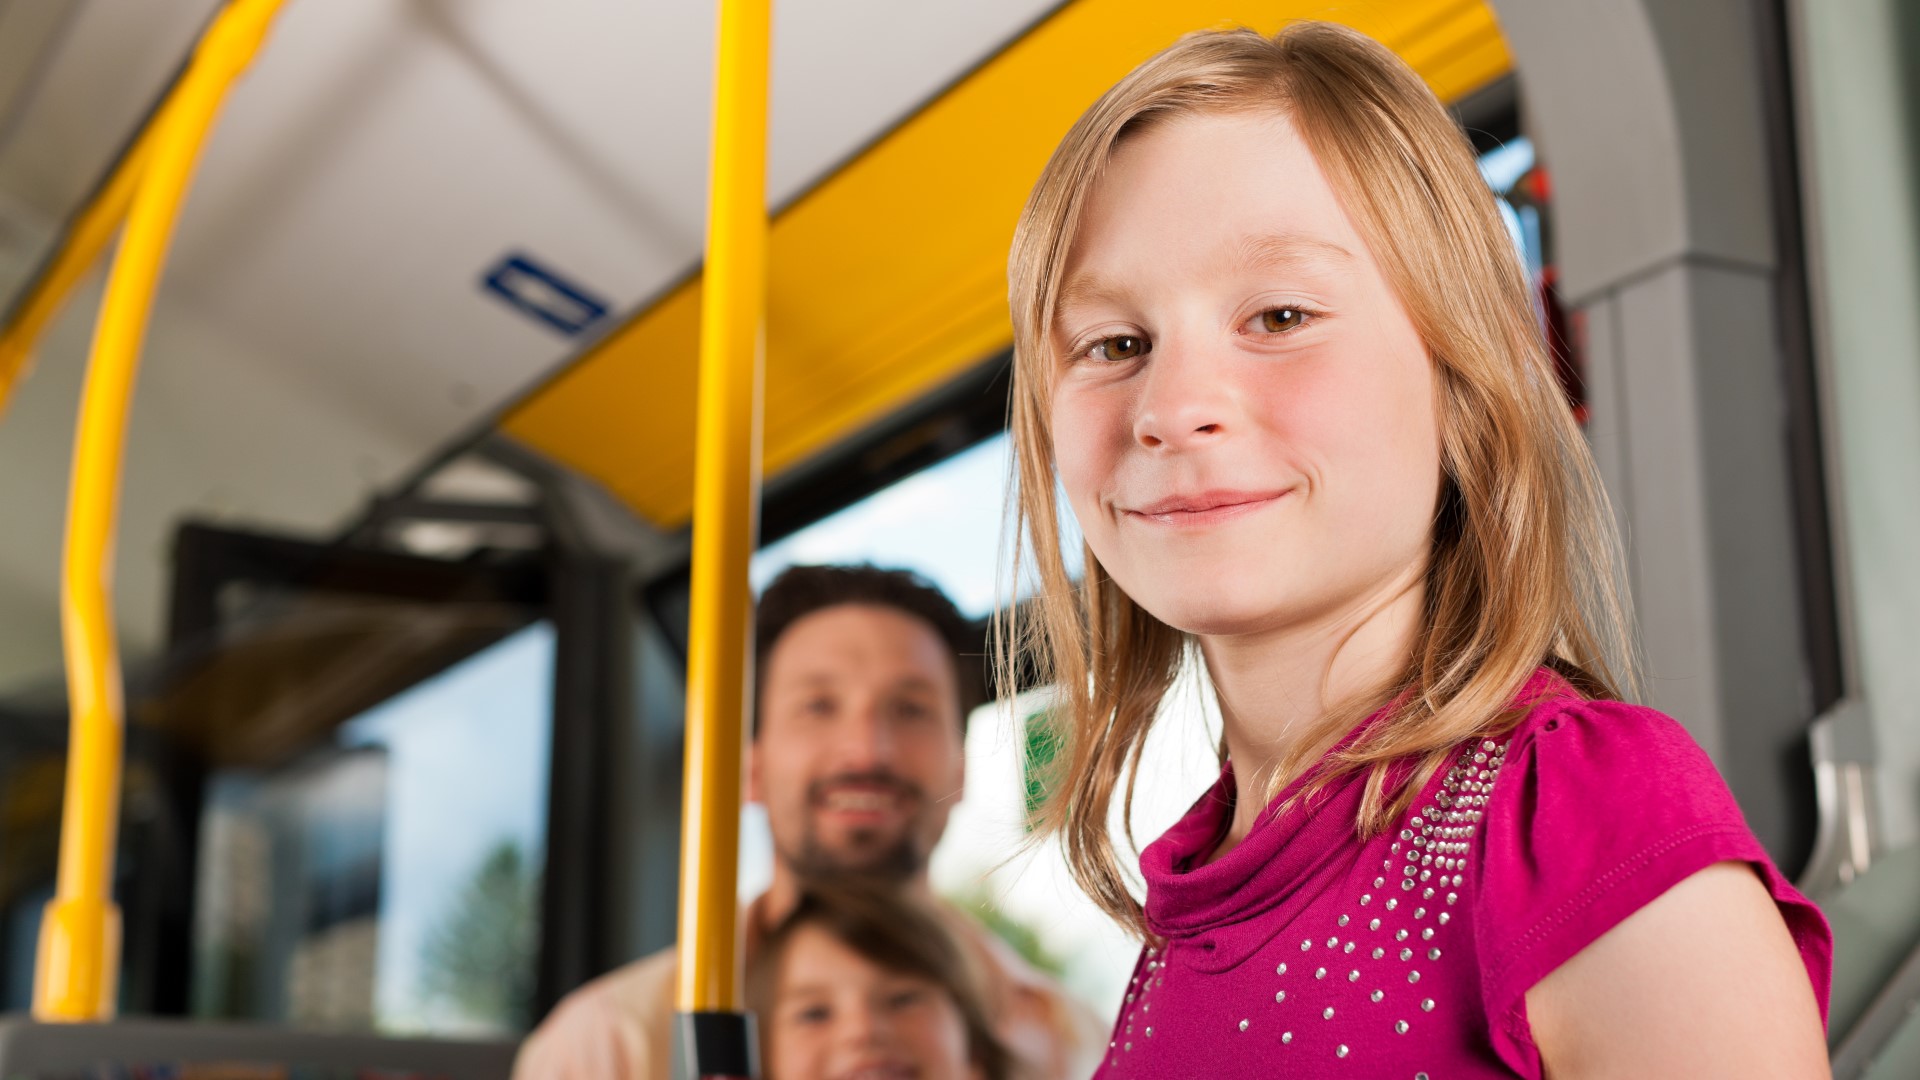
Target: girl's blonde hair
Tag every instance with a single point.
(1525, 566)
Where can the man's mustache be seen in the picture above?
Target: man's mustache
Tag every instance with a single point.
(875, 778)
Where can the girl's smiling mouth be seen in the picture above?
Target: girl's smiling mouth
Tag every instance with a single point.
(1203, 508)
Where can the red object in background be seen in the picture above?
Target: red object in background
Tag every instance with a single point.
(1534, 191)
(1567, 361)
(1539, 188)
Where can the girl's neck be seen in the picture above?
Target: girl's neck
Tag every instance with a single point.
(1276, 686)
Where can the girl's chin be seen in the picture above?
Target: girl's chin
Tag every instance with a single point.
(1214, 611)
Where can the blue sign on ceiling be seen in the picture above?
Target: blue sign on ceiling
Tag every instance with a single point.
(543, 294)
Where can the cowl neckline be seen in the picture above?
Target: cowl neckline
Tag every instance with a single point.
(1229, 908)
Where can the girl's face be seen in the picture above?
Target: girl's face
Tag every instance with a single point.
(838, 1016)
(1244, 417)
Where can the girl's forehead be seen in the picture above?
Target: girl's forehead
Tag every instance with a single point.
(811, 950)
(815, 954)
(1219, 187)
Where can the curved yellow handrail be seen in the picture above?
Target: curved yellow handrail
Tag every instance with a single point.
(78, 963)
(92, 230)
(726, 497)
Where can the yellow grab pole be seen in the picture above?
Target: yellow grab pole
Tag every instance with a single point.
(92, 230)
(78, 963)
(726, 493)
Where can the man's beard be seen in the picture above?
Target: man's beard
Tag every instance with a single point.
(869, 852)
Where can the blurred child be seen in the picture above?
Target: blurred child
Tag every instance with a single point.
(868, 985)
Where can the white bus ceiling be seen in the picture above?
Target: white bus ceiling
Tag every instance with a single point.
(322, 328)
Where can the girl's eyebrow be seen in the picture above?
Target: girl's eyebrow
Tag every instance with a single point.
(1086, 290)
(1289, 250)
(807, 991)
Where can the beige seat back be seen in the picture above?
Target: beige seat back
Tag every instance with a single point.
(177, 1048)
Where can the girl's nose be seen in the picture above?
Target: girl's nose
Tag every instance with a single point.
(862, 1028)
(1184, 402)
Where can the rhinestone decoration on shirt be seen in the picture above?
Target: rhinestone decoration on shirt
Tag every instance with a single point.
(1152, 973)
(1426, 861)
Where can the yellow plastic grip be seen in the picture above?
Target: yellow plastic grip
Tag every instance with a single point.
(726, 497)
(77, 969)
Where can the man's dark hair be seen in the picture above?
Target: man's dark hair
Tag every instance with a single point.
(800, 591)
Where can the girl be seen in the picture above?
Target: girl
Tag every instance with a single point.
(1276, 347)
(858, 984)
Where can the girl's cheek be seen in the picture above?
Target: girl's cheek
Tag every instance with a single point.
(1080, 436)
(1354, 400)
(1322, 391)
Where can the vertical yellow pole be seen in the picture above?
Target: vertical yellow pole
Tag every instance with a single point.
(79, 957)
(726, 497)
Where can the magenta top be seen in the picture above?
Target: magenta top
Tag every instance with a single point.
(1304, 951)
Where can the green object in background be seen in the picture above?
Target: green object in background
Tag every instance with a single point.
(1042, 739)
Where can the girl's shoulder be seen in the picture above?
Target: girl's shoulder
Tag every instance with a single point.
(1605, 750)
(1599, 807)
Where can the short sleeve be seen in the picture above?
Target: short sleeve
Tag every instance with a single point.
(1601, 808)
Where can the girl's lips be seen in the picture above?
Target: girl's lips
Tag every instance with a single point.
(1206, 508)
(883, 1070)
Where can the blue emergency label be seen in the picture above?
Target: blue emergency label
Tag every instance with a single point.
(543, 294)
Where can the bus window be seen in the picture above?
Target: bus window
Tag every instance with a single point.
(945, 522)
(391, 880)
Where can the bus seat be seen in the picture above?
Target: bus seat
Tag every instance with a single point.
(1876, 963)
(1899, 1059)
(1876, 923)
(235, 1052)
(1885, 1044)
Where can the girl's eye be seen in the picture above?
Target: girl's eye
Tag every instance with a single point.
(1120, 347)
(1279, 320)
(906, 999)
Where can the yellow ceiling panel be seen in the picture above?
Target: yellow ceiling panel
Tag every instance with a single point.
(889, 277)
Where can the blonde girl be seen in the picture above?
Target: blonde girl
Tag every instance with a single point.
(1275, 345)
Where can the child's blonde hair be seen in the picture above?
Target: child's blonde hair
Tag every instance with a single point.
(1525, 566)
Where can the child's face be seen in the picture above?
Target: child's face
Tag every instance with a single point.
(838, 1016)
(1244, 421)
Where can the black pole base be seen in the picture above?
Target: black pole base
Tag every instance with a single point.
(714, 1045)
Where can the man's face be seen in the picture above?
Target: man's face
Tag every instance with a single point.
(859, 756)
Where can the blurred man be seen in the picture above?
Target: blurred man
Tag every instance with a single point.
(857, 756)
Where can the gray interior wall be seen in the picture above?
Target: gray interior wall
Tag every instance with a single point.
(1860, 121)
(1650, 117)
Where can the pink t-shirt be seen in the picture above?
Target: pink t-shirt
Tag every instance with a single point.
(1305, 952)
